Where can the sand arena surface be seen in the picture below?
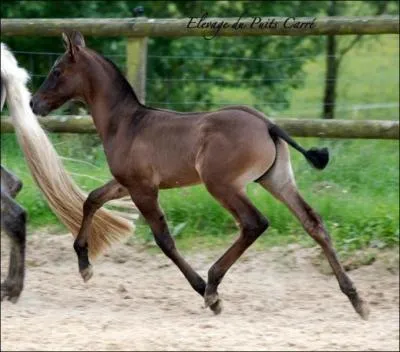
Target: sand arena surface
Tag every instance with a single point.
(137, 300)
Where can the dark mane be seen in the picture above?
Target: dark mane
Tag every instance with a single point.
(125, 86)
(128, 89)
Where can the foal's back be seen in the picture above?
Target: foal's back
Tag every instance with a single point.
(176, 149)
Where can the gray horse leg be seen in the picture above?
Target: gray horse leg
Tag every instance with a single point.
(13, 221)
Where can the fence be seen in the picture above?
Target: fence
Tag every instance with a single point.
(204, 27)
(296, 127)
(138, 29)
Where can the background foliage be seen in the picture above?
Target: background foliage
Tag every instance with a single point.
(357, 194)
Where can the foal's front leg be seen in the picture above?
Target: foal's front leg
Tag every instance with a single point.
(145, 199)
(95, 200)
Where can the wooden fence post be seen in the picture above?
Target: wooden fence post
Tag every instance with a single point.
(136, 59)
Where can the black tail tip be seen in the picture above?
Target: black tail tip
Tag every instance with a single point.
(318, 158)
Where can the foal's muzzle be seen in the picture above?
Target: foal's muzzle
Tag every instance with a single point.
(39, 107)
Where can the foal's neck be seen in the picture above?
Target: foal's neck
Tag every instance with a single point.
(111, 98)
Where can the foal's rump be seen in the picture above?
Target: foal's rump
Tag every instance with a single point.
(236, 147)
(318, 158)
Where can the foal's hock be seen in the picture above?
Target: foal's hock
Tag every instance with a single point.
(148, 149)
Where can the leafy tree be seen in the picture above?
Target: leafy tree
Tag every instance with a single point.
(265, 79)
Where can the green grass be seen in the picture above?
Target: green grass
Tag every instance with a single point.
(357, 195)
(89, 170)
(358, 201)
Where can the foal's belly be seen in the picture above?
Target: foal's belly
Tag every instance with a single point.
(177, 184)
(179, 177)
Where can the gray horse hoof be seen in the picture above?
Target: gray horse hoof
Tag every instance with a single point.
(11, 291)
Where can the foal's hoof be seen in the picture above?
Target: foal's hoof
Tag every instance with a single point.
(214, 302)
(362, 308)
(217, 307)
(87, 273)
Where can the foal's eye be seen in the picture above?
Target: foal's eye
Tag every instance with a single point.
(57, 73)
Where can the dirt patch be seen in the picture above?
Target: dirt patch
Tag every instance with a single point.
(136, 300)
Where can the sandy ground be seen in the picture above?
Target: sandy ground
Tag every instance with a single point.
(137, 300)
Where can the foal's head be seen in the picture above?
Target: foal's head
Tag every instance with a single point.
(65, 80)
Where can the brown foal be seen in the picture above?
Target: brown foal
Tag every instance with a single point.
(149, 149)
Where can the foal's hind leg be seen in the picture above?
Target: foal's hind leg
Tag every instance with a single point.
(280, 182)
(95, 200)
(13, 221)
(252, 225)
(145, 199)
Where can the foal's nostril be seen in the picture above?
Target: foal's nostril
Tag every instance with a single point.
(31, 104)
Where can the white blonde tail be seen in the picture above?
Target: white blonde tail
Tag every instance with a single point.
(64, 197)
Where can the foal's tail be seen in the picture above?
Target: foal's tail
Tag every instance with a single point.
(63, 195)
(318, 158)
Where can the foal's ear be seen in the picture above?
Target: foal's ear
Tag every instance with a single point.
(72, 42)
(68, 45)
(66, 41)
(77, 39)
(73, 38)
